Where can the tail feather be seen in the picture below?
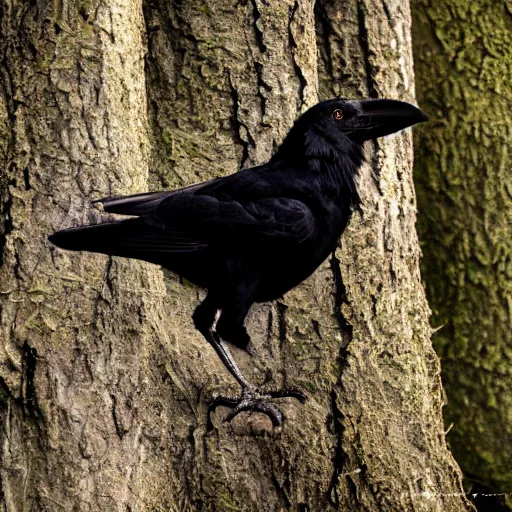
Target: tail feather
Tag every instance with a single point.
(131, 238)
(105, 238)
(144, 203)
(138, 204)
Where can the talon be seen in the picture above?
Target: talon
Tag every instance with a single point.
(225, 401)
(257, 405)
(288, 393)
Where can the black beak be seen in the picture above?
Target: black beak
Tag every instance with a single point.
(378, 118)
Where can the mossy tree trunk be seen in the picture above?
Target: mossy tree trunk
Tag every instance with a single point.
(463, 61)
(105, 382)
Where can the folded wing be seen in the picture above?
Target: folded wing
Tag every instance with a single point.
(186, 221)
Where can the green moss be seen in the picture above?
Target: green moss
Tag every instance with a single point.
(463, 57)
(40, 288)
(182, 144)
(35, 323)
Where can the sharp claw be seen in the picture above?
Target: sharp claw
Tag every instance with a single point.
(275, 415)
(288, 393)
(225, 401)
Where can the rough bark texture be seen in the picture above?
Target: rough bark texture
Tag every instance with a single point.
(105, 382)
(464, 65)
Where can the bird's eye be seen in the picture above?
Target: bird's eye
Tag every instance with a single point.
(337, 114)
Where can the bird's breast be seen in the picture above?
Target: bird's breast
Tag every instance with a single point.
(294, 264)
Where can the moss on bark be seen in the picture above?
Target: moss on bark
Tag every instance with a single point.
(463, 61)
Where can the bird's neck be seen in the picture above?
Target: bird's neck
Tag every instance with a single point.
(334, 167)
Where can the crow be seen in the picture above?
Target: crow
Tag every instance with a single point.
(254, 235)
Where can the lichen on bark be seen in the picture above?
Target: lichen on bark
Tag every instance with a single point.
(463, 61)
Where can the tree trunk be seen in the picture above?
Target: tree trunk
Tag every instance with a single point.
(105, 381)
(464, 65)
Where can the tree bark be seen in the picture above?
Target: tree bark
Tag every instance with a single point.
(464, 65)
(105, 382)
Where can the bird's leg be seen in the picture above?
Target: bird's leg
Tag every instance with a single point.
(250, 399)
(223, 352)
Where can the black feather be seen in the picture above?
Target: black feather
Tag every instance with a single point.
(253, 235)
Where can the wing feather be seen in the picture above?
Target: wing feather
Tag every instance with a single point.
(191, 219)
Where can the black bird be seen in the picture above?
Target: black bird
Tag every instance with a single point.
(254, 235)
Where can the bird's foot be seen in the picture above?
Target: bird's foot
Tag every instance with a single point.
(252, 400)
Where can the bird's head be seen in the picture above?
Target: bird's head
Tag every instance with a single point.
(330, 135)
(361, 120)
(344, 125)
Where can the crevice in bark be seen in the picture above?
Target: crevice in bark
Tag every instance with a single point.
(257, 31)
(340, 298)
(108, 277)
(387, 11)
(324, 30)
(316, 328)
(7, 224)
(2, 496)
(270, 325)
(346, 330)
(340, 456)
(26, 179)
(17, 266)
(28, 387)
(262, 85)
(281, 493)
(371, 84)
(10, 105)
(120, 431)
(7, 393)
(373, 298)
(237, 125)
(293, 45)
(281, 320)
